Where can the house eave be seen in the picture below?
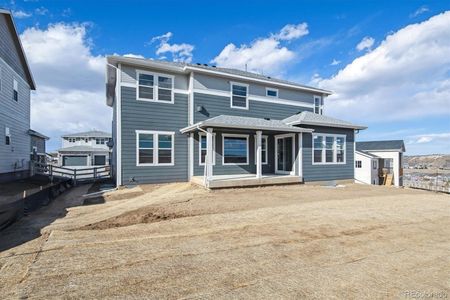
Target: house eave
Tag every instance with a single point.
(266, 128)
(357, 127)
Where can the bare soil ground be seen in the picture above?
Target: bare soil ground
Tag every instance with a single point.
(180, 241)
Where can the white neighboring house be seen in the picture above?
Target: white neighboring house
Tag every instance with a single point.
(85, 149)
(372, 158)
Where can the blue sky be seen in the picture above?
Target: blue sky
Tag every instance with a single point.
(387, 61)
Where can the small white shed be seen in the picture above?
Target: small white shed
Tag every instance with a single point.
(366, 168)
(388, 156)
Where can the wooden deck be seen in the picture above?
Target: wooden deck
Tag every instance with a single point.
(246, 180)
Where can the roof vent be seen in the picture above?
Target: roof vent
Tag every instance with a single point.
(213, 66)
(205, 65)
(267, 119)
(268, 77)
(198, 64)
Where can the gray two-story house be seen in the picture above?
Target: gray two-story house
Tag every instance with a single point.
(221, 127)
(16, 81)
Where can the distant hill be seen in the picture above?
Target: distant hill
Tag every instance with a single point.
(433, 161)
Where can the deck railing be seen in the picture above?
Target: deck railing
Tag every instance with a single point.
(77, 175)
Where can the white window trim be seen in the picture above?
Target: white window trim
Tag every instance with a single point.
(224, 135)
(155, 148)
(155, 87)
(263, 137)
(16, 88)
(320, 107)
(324, 135)
(201, 134)
(356, 164)
(272, 89)
(231, 95)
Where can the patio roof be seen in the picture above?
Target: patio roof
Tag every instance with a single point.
(226, 121)
(309, 118)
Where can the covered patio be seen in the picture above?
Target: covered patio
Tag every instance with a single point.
(239, 151)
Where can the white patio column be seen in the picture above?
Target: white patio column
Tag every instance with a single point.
(300, 155)
(258, 154)
(209, 153)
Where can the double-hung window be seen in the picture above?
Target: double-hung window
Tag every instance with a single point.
(318, 105)
(264, 152)
(7, 136)
(202, 148)
(234, 149)
(15, 90)
(239, 95)
(154, 148)
(154, 87)
(328, 149)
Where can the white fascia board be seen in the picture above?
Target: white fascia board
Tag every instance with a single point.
(212, 124)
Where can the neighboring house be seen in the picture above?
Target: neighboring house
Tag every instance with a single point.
(178, 122)
(80, 150)
(16, 82)
(37, 149)
(376, 158)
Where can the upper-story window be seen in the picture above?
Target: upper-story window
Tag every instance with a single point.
(154, 87)
(318, 105)
(71, 140)
(7, 136)
(15, 90)
(100, 141)
(271, 92)
(239, 95)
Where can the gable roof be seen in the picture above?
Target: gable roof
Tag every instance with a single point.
(309, 118)
(35, 133)
(227, 121)
(364, 153)
(204, 68)
(92, 133)
(22, 55)
(390, 145)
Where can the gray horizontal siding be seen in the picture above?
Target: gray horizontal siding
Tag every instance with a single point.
(328, 172)
(141, 115)
(16, 116)
(217, 105)
(9, 48)
(208, 82)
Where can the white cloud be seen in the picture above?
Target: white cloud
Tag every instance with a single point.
(292, 32)
(406, 76)
(20, 14)
(133, 55)
(70, 81)
(432, 137)
(180, 52)
(335, 62)
(366, 43)
(264, 55)
(41, 11)
(419, 11)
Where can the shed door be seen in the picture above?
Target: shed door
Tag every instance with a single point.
(99, 160)
(70, 161)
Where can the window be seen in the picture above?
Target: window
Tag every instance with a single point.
(154, 87)
(271, 92)
(239, 94)
(100, 141)
(7, 136)
(318, 105)
(154, 148)
(328, 149)
(202, 148)
(358, 164)
(235, 149)
(15, 90)
(71, 140)
(264, 157)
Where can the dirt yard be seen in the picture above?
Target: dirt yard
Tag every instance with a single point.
(180, 241)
